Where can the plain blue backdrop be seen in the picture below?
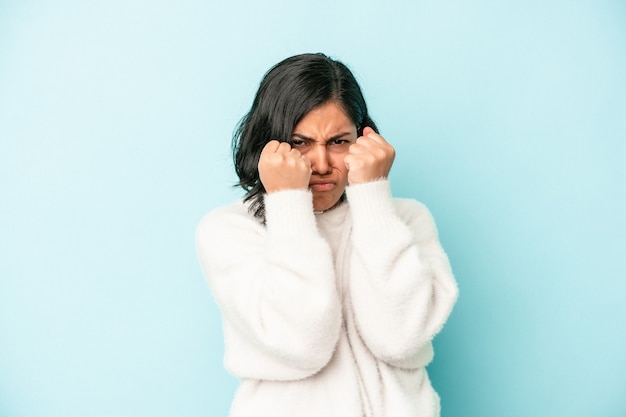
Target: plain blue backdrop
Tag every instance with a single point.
(509, 121)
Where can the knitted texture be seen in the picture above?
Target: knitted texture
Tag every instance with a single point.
(330, 314)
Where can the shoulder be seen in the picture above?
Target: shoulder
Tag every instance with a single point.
(235, 209)
(406, 207)
(415, 214)
(228, 219)
(226, 235)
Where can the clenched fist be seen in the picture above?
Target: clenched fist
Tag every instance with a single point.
(283, 168)
(370, 158)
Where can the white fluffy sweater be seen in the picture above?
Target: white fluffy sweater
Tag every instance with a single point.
(330, 314)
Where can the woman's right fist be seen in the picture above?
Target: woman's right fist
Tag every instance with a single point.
(283, 168)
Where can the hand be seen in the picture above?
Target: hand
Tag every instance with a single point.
(369, 158)
(283, 168)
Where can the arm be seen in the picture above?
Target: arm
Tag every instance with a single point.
(275, 286)
(402, 286)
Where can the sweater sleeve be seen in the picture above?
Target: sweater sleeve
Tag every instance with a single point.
(275, 287)
(401, 283)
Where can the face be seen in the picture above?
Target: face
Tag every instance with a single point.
(323, 136)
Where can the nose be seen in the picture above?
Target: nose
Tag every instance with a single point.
(319, 159)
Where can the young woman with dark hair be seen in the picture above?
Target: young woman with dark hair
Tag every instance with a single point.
(331, 291)
(288, 91)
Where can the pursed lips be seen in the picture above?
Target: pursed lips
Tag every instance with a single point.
(322, 185)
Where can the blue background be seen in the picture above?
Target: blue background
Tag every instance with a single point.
(509, 120)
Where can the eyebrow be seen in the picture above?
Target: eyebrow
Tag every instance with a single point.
(308, 139)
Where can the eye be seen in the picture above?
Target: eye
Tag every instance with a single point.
(297, 142)
(336, 142)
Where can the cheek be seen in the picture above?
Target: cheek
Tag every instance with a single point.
(339, 163)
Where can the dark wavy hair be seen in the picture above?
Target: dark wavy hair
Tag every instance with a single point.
(288, 91)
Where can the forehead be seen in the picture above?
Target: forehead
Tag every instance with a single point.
(327, 118)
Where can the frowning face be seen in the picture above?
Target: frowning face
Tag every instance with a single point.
(323, 136)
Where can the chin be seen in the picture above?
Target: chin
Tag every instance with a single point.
(325, 204)
(320, 206)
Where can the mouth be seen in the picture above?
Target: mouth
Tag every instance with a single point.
(322, 186)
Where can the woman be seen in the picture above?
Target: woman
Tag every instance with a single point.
(331, 291)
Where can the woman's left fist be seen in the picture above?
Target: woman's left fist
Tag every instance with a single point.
(369, 158)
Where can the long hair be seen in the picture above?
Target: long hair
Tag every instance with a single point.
(288, 91)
